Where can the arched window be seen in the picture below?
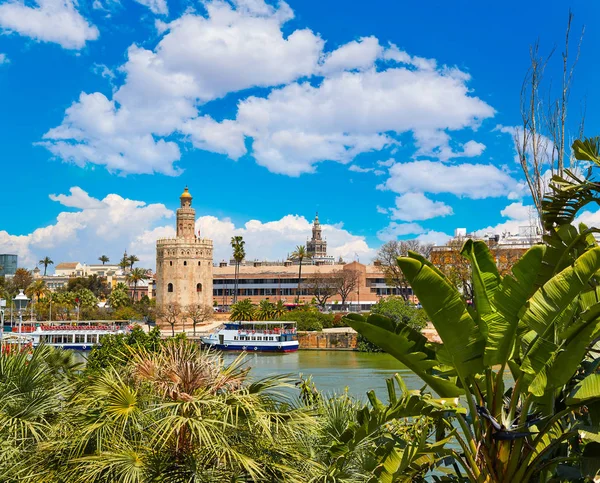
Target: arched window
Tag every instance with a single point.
(184, 263)
(198, 263)
(171, 264)
(198, 287)
(170, 287)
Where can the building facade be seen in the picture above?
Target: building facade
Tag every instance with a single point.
(8, 264)
(280, 282)
(184, 264)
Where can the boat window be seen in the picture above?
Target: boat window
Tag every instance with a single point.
(198, 287)
(79, 338)
(170, 287)
(253, 338)
(259, 338)
(92, 338)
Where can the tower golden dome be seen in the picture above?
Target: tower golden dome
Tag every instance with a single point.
(186, 194)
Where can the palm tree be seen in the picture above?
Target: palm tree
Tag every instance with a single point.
(265, 310)
(134, 277)
(132, 259)
(124, 263)
(242, 310)
(237, 244)
(45, 261)
(279, 310)
(299, 254)
(37, 289)
(104, 259)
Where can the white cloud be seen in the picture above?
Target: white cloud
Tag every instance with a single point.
(158, 7)
(395, 230)
(78, 199)
(107, 226)
(388, 163)
(438, 238)
(474, 181)
(56, 21)
(381, 210)
(114, 224)
(416, 206)
(349, 105)
(436, 143)
(518, 214)
(275, 240)
(4, 59)
(360, 55)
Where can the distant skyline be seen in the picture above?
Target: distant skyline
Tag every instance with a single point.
(391, 119)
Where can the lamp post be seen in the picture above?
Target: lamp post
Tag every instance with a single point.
(21, 302)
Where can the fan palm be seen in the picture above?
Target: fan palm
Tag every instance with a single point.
(237, 244)
(45, 262)
(104, 259)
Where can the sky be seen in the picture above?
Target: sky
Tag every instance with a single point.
(392, 119)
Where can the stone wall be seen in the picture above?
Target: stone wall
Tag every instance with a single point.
(327, 340)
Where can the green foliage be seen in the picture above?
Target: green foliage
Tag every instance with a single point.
(264, 311)
(309, 319)
(126, 313)
(399, 310)
(119, 298)
(540, 321)
(116, 349)
(243, 310)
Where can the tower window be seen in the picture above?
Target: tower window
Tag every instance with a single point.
(184, 263)
(198, 287)
(198, 263)
(171, 263)
(170, 287)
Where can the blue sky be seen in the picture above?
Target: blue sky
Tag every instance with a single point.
(390, 118)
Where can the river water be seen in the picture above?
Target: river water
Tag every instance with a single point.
(333, 371)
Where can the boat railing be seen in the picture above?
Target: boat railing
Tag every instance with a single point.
(78, 327)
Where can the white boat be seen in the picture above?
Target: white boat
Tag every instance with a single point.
(255, 336)
(80, 337)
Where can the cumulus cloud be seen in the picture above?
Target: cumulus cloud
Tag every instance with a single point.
(78, 199)
(416, 206)
(275, 240)
(56, 21)
(438, 238)
(4, 59)
(470, 180)
(396, 230)
(158, 7)
(518, 215)
(107, 226)
(114, 224)
(321, 106)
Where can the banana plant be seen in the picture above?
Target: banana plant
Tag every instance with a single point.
(537, 327)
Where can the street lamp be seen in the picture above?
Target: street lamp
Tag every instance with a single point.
(21, 302)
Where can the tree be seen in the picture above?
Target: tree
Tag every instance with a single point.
(279, 310)
(346, 282)
(134, 277)
(541, 140)
(237, 244)
(119, 297)
(93, 282)
(242, 310)
(45, 262)
(132, 259)
(397, 309)
(265, 310)
(21, 279)
(124, 263)
(37, 289)
(199, 313)
(321, 286)
(170, 314)
(299, 254)
(387, 255)
(537, 323)
(104, 259)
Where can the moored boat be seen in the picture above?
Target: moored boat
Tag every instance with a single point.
(261, 336)
(81, 337)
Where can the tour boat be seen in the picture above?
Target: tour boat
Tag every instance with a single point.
(80, 337)
(254, 336)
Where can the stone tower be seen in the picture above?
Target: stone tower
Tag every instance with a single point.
(184, 264)
(316, 246)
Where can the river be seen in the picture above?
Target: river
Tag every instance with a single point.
(333, 371)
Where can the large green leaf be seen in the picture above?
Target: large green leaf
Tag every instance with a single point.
(511, 297)
(586, 391)
(406, 345)
(448, 312)
(486, 279)
(549, 301)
